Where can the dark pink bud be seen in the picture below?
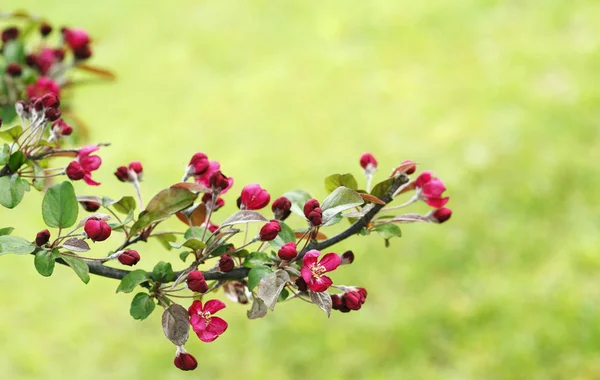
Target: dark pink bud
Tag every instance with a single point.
(75, 38)
(368, 162)
(185, 362)
(199, 163)
(347, 257)
(136, 166)
(254, 197)
(287, 251)
(129, 257)
(50, 100)
(75, 171)
(42, 238)
(362, 292)
(59, 54)
(45, 29)
(310, 205)
(36, 104)
(313, 212)
(441, 215)
(90, 206)
(226, 263)
(218, 181)
(14, 70)
(122, 174)
(98, 230)
(213, 227)
(411, 167)
(336, 302)
(270, 230)
(83, 52)
(52, 114)
(301, 284)
(60, 127)
(353, 300)
(207, 200)
(196, 282)
(281, 208)
(31, 60)
(11, 33)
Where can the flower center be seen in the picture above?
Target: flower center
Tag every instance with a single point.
(317, 270)
(206, 316)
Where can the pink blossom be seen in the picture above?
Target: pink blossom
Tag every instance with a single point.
(313, 272)
(368, 162)
(254, 197)
(203, 179)
(76, 38)
(204, 324)
(43, 86)
(45, 59)
(430, 189)
(89, 163)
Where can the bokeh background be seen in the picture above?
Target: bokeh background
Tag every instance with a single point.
(500, 98)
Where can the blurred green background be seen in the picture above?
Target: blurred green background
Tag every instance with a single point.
(500, 98)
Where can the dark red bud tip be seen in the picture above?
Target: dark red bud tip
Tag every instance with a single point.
(82, 53)
(368, 162)
(129, 257)
(90, 206)
(270, 230)
(185, 362)
(410, 166)
(441, 215)
(226, 263)
(52, 114)
(14, 70)
(45, 29)
(122, 174)
(75, 171)
(288, 251)
(301, 284)
(347, 257)
(336, 302)
(11, 33)
(281, 208)
(196, 283)
(31, 60)
(50, 100)
(136, 166)
(42, 238)
(218, 181)
(97, 229)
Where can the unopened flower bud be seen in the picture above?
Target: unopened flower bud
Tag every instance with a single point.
(368, 162)
(288, 251)
(14, 69)
(129, 257)
(136, 166)
(75, 171)
(61, 128)
(270, 230)
(75, 38)
(254, 197)
(31, 60)
(42, 238)
(347, 257)
(90, 206)
(198, 164)
(11, 33)
(185, 362)
(353, 300)
(45, 29)
(83, 52)
(208, 201)
(52, 114)
(336, 302)
(50, 100)
(97, 229)
(440, 215)
(122, 174)
(411, 167)
(218, 181)
(226, 263)
(196, 282)
(281, 208)
(313, 212)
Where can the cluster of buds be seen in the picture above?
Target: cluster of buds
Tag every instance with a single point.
(84, 164)
(131, 173)
(352, 299)
(313, 212)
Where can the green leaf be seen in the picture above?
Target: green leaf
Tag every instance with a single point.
(39, 183)
(141, 306)
(256, 259)
(132, 279)
(340, 200)
(256, 274)
(183, 255)
(388, 231)
(15, 245)
(382, 188)
(283, 295)
(14, 51)
(60, 207)
(10, 133)
(336, 180)
(193, 243)
(6, 231)
(125, 205)
(193, 232)
(164, 204)
(286, 235)
(79, 267)
(163, 272)
(165, 240)
(44, 262)
(16, 160)
(298, 199)
(4, 154)
(12, 190)
(8, 113)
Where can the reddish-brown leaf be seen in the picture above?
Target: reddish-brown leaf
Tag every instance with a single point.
(371, 198)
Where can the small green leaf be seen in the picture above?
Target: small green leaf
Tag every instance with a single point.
(183, 255)
(15, 245)
(44, 262)
(283, 295)
(4, 154)
(340, 200)
(165, 240)
(256, 274)
(12, 190)
(194, 232)
(39, 183)
(125, 205)
(14, 51)
(79, 267)
(6, 231)
(163, 272)
(382, 188)
(132, 279)
(388, 231)
(336, 180)
(141, 306)
(193, 243)
(166, 203)
(286, 235)
(10, 133)
(16, 160)
(60, 207)
(255, 259)
(298, 199)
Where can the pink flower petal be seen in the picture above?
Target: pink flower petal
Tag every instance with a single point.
(86, 150)
(90, 163)
(434, 188)
(331, 261)
(437, 202)
(206, 336)
(195, 307)
(423, 178)
(306, 274)
(310, 257)
(213, 306)
(320, 284)
(88, 179)
(198, 323)
(217, 326)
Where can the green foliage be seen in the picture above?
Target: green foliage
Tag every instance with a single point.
(142, 306)
(14, 244)
(341, 199)
(60, 207)
(166, 203)
(79, 267)
(163, 272)
(286, 235)
(336, 180)
(12, 190)
(255, 259)
(44, 262)
(132, 280)
(256, 274)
